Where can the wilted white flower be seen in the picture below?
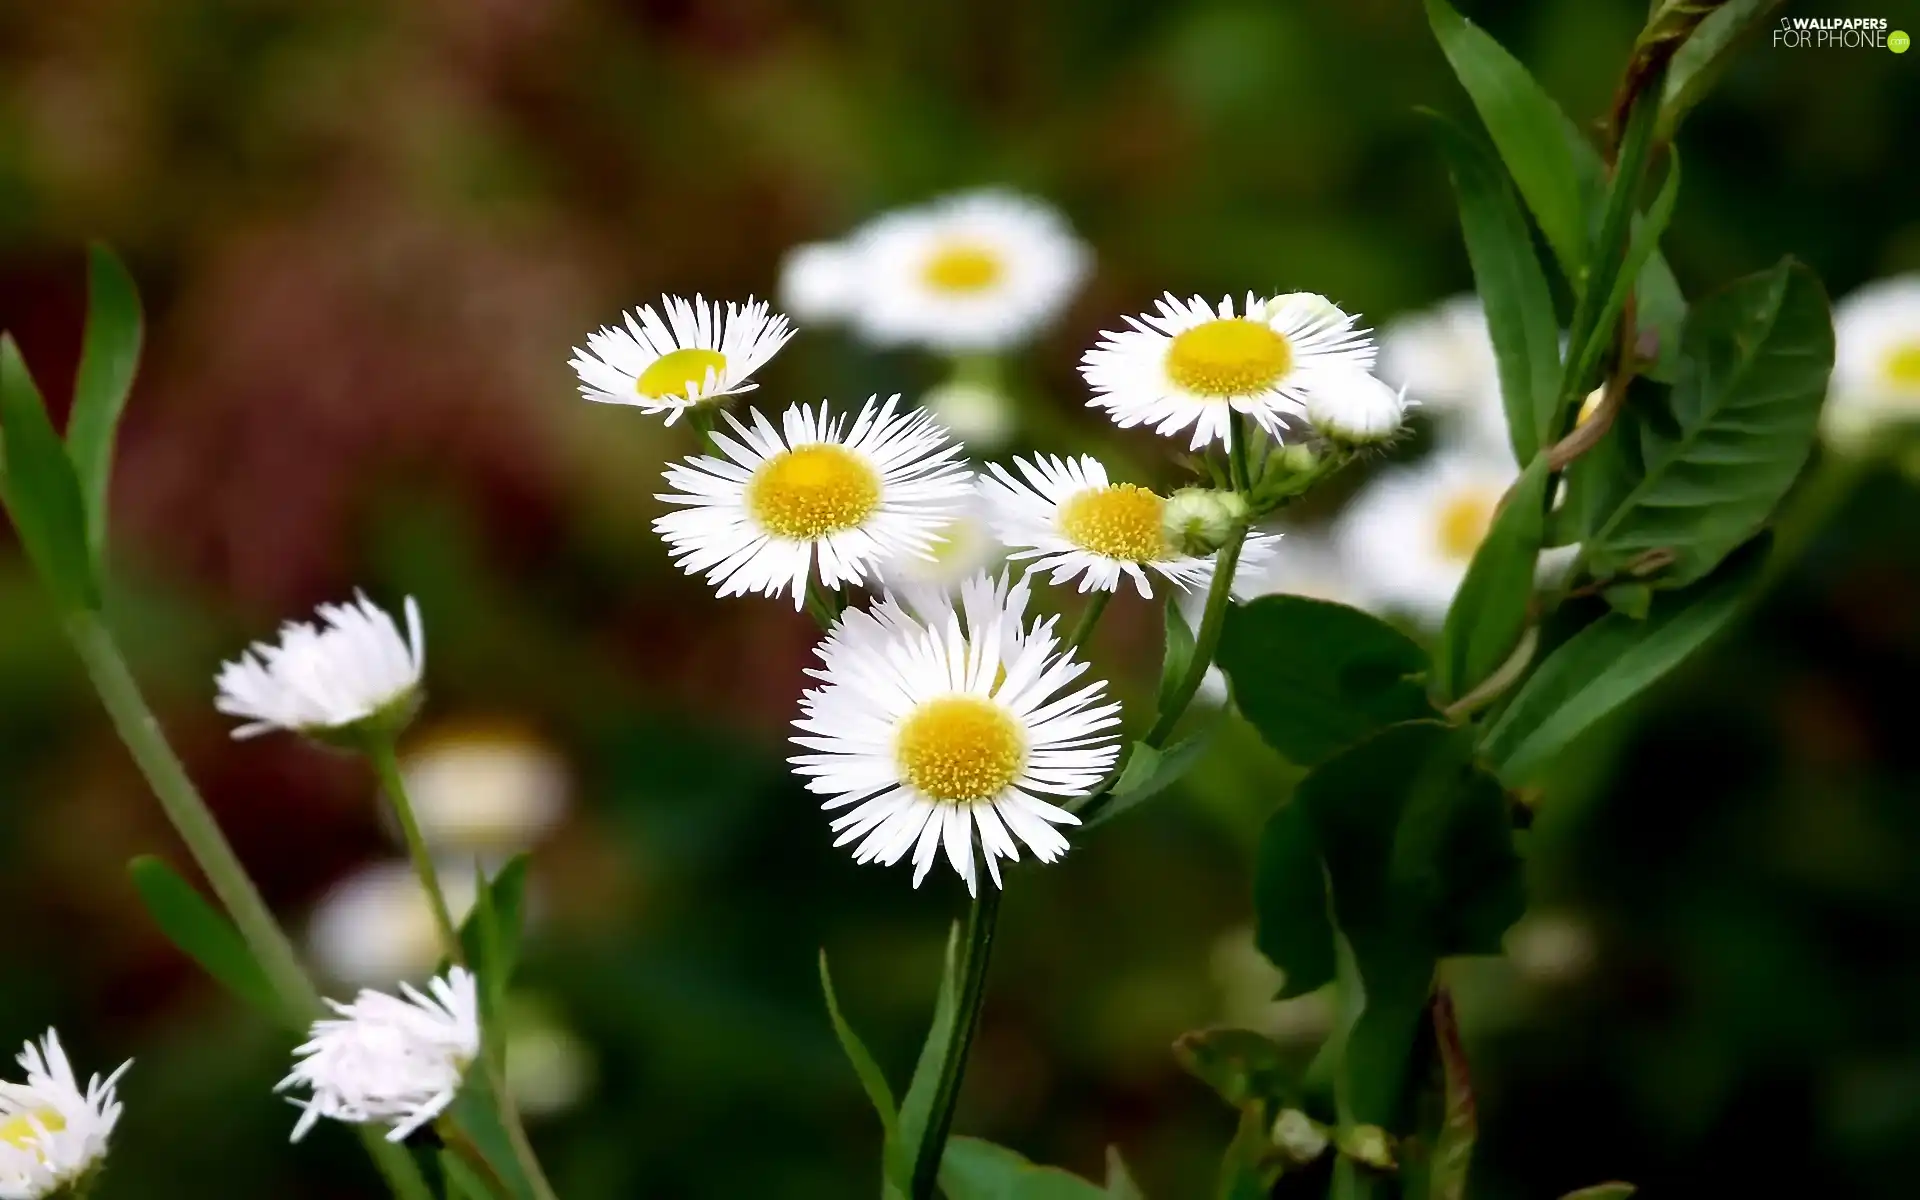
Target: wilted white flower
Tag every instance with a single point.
(1355, 409)
(818, 282)
(1191, 364)
(485, 788)
(389, 1060)
(757, 519)
(375, 927)
(52, 1134)
(351, 666)
(1068, 518)
(976, 272)
(979, 415)
(1408, 537)
(949, 719)
(1876, 362)
(696, 353)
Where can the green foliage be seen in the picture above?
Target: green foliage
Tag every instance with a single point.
(476, 1115)
(1609, 662)
(873, 1081)
(1492, 608)
(109, 355)
(916, 1107)
(462, 1182)
(1688, 483)
(1149, 772)
(1313, 676)
(1178, 654)
(1603, 1191)
(200, 932)
(977, 1170)
(1244, 1067)
(41, 492)
(490, 935)
(1702, 59)
(1251, 1165)
(1512, 287)
(1291, 924)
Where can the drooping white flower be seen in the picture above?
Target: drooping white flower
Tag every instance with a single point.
(323, 677)
(945, 723)
(1408, 537)
(814, 491)
(485, 787)
(1068, 518)
(975, 272)
(696, 353)
(1190, 364)
(389, 1060)
(819, 281)
(53, 1134)
(1355, 409)
(375, 927)
(1876, 362)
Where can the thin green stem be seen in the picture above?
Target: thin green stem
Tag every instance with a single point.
(386, 766)
(139, 730)
(1089, 617)
(1237, 453)
(1206, 639)
(982, 918)
(822, 606)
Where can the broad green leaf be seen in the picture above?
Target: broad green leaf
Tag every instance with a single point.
(1120, 1184)
(1491, 609)
(1526, 125)
(1610, 662)
(1603, 1191)
(1291, 925)
(872, 1080)
(1633, 600)
(975, 1170)
(1692, 482)
(1640, 251)
(109, 355)
(1149, 772)
(203, 934)
(1512, 286)
(916, 1107)
(41, 493)
(477, 1116)
(490, 934)
(1313, 676)
(462, 1181)
(1178, 654)
(1244, 1067)
(1703, 58)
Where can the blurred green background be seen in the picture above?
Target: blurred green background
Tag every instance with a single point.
(368, 234)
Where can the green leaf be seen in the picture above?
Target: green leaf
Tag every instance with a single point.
(1513, 289)
(476, 1115)
(1291, 925)
(975, 1170)
(1693, 481)
(1603, 1191)
(203, 934)
(1178, 655)
(916, 1107)
(490, 934)
(1703, 58)
(1313, 676)
(1492, 608)
(1244, 1067)
(1149, 772)
(40, 490)
(872, 1080)
(1639, 253)
(462, 1181)
(1251, 1165)
(1120, 1184)
(1529, 129)
(109, 355)
(1610, 662)
(1633, 600)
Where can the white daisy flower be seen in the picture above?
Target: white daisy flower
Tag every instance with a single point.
(52, 1133)
(1070, 519)
(757, 520)
(697, 353)
(1876, 362)
(1444, 357)
(975, 272)
(1190, 364)
(819, 281)
(1408, 537)
(390, 1060)
(964, 547)
(350, 666)
(948, 719)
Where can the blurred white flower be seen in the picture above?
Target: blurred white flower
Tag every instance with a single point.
(979, 415)
(1876, 363)
(1068, 518)
(819, 281)
(1355, 409)
(1190, 364)
(957, 717)
(52, 1133)
(485, 788)
(978, 271)
(350, 667)
(1552, 948)
(963, 547)
(849, 497)
(549, 1067)
(698, 352)
(1408, 536)
(375, 927)
(390, 1060)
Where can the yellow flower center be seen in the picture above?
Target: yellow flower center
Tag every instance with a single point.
(963, 267)
(1228, 357)
(960, 749)
(673, 371)
(811, 491)
(1464, 519)
(1120, 521)
(1903, 365)
(18, 1129)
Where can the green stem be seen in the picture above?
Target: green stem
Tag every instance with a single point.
(1206, 638)
(386, 765)
(1237, 453)
(822, 606)
(981, 920)
(187, 812)
(1089, 617)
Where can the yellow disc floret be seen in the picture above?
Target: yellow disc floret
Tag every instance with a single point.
(1120, 521)
(960, 749)
(809, 492)
(1228, 357)
(673, 371)
(963, 267)
(18, 1129)
(1463, 523)
(1903, 365)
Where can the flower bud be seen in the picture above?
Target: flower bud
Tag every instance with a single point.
(1368, 1145)
(981, 416)
(1355, 409)
(1300, 1138)
(1197, 521)
(1298, 458)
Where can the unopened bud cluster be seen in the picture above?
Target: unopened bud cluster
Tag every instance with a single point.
(1197, 521)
